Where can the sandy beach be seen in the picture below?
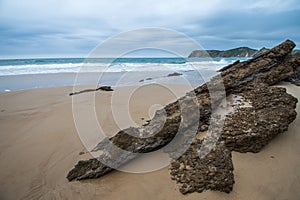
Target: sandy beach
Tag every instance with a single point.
(40, 144)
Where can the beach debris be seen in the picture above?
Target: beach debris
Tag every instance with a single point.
(83, 91)
(103, 88)
(247, 129)
(175, 74)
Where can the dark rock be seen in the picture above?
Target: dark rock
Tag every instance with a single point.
(249, 129)
(105, 88)
(214, 172)
(175, 74)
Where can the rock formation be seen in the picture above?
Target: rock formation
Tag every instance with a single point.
(248, 129)
(213, 172)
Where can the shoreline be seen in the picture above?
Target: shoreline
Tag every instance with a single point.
(32, 81)
(38, 131)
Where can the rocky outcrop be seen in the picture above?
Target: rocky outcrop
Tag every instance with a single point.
(250, 128)
(262, 113)
(246, 130)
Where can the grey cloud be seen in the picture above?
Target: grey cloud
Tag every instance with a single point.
(76, 27)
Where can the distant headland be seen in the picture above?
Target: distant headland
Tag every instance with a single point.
(240, 52)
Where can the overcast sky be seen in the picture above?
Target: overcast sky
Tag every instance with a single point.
(75, 27)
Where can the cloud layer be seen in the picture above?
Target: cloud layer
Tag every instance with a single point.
(66, 28)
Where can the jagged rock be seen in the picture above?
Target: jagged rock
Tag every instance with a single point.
(249, 129)
(190, 117)
(214, 172)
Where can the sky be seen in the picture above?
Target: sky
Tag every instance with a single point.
(73, 28)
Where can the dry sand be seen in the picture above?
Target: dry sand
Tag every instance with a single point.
(39, 145)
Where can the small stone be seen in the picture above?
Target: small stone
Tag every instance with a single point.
(175, 74)
(175, 164)
(184, 190)
(204, 128)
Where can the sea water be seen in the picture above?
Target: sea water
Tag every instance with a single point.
(19, 74)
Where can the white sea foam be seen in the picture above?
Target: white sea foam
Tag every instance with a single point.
(108, 67)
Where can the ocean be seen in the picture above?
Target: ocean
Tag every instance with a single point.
(20, 74)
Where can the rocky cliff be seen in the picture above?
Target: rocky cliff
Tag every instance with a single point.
(263, 113)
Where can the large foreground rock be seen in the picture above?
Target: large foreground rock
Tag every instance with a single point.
(246, 130)
(250, 128)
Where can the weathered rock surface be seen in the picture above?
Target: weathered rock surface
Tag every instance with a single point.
(246, 130)
(249, 129)
(213, 172)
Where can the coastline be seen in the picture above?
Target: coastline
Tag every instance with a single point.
(115, 79)
(40, 144)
